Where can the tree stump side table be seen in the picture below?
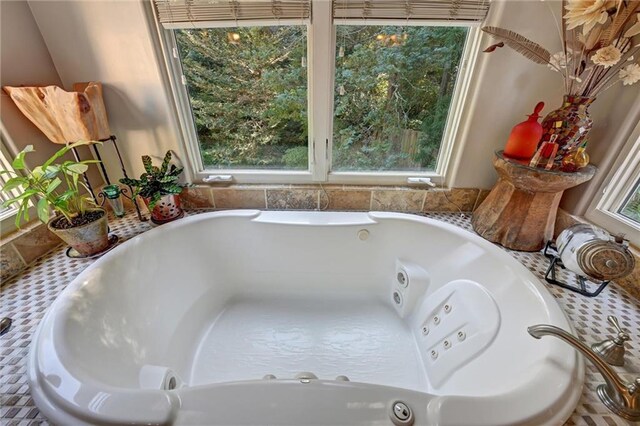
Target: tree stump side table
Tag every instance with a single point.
(520, 211)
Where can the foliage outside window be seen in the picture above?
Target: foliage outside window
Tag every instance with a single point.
(393, 92)
(631, 207)
(6, 211)
(248, 92)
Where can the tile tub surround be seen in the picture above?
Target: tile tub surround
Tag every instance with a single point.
(334, 197)
(24, 246)
(25, 298)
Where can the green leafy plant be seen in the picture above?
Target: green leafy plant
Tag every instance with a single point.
(43, 183)
(156, 181)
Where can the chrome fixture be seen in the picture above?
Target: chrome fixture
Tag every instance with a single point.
(306, 376)
(401, 414)
(620, 397)
(612, 350)
(5, 324)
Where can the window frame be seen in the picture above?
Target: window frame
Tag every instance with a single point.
(320, 99)
(619, 183)
(7, 218)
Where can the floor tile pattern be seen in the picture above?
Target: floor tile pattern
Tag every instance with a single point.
(26, 298)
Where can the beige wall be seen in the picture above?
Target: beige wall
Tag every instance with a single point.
(25, 60)
(508, 86)
(111, 41)
(108, 41)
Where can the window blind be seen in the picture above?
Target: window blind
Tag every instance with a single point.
(177, 12)
(414, 10)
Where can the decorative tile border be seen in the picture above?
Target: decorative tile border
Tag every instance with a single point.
(25, 246)
(334, 197)
(25, 298)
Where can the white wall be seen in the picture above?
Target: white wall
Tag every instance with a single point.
(111, 41)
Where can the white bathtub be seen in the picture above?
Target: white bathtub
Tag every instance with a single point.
(213, 303)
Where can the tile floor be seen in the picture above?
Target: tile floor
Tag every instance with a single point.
(26, 297)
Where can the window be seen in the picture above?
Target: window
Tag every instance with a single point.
(247, 89)
(7, 214)
(617, 208)
(393, 90)
(631, 207)
(369, 91)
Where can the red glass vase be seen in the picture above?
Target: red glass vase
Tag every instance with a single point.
(524, 137)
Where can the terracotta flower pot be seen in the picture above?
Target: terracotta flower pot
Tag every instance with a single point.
(166, 209)
(86, 239)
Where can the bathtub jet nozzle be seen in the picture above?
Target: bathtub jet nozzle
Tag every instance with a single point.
(401, 414)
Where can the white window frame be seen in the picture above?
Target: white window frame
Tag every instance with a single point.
(320, 98)
(620, 181)
(7, 217)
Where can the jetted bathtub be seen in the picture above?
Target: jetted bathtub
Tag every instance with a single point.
(249, 317)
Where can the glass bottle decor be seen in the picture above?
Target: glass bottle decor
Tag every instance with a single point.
(524, 137)
(113, 194)
(575, 159)
(571, 122)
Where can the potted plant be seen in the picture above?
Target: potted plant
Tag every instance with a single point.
(159, 188)
(78, 221)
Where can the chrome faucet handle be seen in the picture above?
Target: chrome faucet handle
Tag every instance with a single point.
(612, 350)
(619, 396)
(622, 336)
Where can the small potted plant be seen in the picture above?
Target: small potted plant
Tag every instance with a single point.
(159, 188)
(78, 221)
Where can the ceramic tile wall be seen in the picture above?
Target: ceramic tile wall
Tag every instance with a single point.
(25, 246)
(334, 197)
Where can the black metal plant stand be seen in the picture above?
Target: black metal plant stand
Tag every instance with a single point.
(111, 138)
(550, 275)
